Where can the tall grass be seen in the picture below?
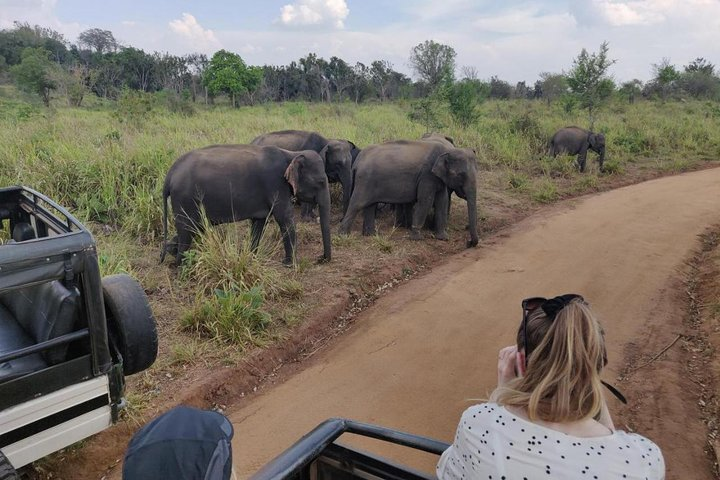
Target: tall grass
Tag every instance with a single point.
(112, 172)
(233, 283)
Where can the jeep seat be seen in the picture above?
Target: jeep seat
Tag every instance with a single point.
(42, 312)
(13, 337)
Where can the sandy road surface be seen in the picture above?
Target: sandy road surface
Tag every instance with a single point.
(415, 359)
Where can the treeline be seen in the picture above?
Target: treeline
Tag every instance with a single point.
(40, 60)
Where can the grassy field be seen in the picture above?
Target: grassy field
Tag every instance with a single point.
(108, 168)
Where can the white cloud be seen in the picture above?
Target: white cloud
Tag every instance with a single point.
(194, 34)
(36, 12)
(315, 12)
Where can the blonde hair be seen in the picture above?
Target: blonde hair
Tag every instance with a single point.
(565, 357)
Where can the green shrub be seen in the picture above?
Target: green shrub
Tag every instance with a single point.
(224, 261)
(234, 316)
(134, 105)
(612, 167)
(517, 180)
(463, 100)
(544, 190)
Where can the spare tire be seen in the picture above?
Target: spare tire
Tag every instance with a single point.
(131, 325)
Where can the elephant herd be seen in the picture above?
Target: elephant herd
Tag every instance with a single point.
(258, 180)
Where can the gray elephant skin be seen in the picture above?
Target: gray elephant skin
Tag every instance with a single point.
(337, 154)
(238, 182)
(577, 141)
(413, 171)
(403, 213)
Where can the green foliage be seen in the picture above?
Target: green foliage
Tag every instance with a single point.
(223, 260)
(234, 316)
(227, 73)
(425, 111)
(553, 86)
(463, 100)
(612, 167)
(433, 62)
(34, 73)
(588, 79)
(134, 105)
(544, 190)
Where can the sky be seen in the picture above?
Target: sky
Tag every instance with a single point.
(514, 40)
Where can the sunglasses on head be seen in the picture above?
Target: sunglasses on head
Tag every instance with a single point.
(551, 307)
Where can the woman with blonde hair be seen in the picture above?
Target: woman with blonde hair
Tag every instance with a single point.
(548, 417)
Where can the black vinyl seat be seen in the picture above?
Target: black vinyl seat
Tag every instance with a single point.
(32, 315)
(13, 337)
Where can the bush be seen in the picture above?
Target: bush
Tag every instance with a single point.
(463, 101)
(224, 261)
(133, 105)
(234, 316)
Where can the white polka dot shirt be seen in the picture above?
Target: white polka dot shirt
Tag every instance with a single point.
(492, 443)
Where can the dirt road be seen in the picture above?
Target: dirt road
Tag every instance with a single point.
(422, 353)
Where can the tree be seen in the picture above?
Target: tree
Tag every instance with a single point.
(34, 73)
(101, 41)
(551, 86)
(699, 79)
(589, 81)
(138, 68)
(700, 65)
(665, 77)
(631, 89)
(499, 88)
(227, 73)
(433, 62)
(463, 99)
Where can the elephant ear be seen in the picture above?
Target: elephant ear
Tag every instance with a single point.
(440, 168)
(292, 173)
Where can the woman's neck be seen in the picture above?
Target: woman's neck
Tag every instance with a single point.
(585, 428)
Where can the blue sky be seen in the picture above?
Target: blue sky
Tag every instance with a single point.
(513, 39)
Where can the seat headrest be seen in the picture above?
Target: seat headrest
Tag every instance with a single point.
(23, 231)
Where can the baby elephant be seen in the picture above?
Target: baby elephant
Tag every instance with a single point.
(576, 141)
(237, 182)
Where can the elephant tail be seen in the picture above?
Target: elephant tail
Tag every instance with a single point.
(166, 194)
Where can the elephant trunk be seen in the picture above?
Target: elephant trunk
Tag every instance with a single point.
(472, 214)
(601, 160)
(324, 206)
(346, 182)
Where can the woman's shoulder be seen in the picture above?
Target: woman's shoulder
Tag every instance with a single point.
(635, 441)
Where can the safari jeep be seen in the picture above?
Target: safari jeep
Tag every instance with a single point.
(67, 336)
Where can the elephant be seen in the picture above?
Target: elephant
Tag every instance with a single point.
(438, 137)
(407, 171)
(337, 154)
(403, 213)
(576, 141)
(237, 182)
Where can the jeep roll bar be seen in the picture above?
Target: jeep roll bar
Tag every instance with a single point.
(293, 461)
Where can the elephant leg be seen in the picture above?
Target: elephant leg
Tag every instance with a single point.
(347, 221)
(422, 207)
(581, 159)
(184, 239)
(257, 228)
(441, 214)
(307, 212)
(369, 220)
(284, 219)
(403, 215)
